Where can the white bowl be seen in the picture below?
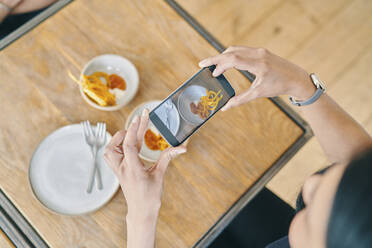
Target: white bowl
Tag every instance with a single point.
(111, 63)
(146, 153)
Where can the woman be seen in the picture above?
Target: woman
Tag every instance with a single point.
(337, 204)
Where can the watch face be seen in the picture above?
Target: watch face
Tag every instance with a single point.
(317, 81)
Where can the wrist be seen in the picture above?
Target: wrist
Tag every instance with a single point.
(141, 219)
(303, 87)
(141, 230)
(138, 217)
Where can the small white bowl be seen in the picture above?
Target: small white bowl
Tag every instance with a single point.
(146, 153)
(111, 63)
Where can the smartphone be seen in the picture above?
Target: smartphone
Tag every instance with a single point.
(191, 105)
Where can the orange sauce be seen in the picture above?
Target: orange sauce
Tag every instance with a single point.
(155, 142)
(199, 110)
(115, 81)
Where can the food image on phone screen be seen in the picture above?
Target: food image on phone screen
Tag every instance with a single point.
(191, 105)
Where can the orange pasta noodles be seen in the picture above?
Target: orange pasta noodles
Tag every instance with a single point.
(206, 104)
(98, 90)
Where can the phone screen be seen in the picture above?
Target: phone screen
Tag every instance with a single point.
(191, 105)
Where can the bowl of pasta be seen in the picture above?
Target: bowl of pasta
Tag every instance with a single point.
(153, 143)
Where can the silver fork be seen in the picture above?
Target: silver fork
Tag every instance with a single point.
(95, 142)
(100, 141)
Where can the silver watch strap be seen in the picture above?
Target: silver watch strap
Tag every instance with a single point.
(309, 101)
(320, 89)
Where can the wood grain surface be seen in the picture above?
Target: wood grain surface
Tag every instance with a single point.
(224, 158)
(331, 38)
(4, 241)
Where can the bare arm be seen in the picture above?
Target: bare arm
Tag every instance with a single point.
(6, 7)
(339, 134)
(22, 6)
(31, 5)
(3, 13)
(142, 187)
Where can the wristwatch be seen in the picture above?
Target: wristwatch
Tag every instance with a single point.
(320, 89)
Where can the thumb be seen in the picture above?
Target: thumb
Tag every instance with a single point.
(167, 155)
(231, 103)
(240, 99)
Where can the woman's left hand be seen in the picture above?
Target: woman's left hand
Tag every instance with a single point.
(142, 187)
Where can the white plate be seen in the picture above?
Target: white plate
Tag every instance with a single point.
(111, 63)
(146, 153)
(59, 173)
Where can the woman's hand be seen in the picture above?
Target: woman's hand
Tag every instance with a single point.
(142, 187)
(274, 75)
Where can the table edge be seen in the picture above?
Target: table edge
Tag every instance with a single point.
(22, 233)
(16, 227)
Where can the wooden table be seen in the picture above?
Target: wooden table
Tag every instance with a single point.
(228, 160)
(4, 241)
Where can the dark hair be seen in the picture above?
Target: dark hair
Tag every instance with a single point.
(350, 222)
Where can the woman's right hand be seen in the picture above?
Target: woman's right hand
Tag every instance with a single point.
(274, 75)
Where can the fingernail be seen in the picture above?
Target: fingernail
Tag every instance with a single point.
(145, 112)
(215, 73)
(136, 118)
(180, 151)
(224, 108)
